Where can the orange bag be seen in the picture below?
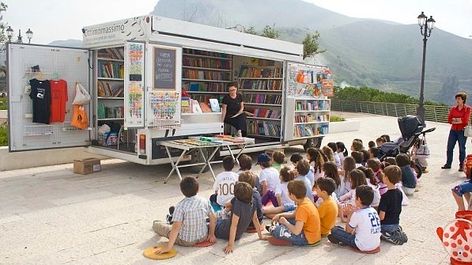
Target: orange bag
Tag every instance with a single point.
(79, 117)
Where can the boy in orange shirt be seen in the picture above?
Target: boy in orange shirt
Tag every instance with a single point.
(301, 227)
(328, 209)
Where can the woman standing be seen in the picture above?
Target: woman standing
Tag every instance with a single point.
(233, 110)
(459, 116)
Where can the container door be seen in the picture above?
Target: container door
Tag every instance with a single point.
(39, 119)
(164, 86)
(134, 92)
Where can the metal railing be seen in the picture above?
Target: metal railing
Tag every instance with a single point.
(432, 112)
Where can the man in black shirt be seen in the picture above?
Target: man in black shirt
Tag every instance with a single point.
(390, 207)
(233, 110)
(41, 96)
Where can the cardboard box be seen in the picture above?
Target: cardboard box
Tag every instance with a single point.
(87, 166)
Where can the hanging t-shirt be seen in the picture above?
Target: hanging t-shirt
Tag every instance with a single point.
(58, 100)
(41, 96)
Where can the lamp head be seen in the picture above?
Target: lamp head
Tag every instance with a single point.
(430, 23)
(422, 19)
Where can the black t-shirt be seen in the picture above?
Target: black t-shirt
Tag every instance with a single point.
(245, 211)
(391, 204)
(41, 96)
(233, 105)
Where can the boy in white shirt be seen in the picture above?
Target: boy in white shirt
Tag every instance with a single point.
(224, 184)
(363, 230)
(269, 180)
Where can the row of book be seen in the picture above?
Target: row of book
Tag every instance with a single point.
(111, 69)
(111, 53)
(261, 84)
(106, 112)
(303, 130)
(311, 118)
(210, 87)
(264, 128)
(262, 98)
(260, 72)
(108, 89)
(266, 113)
(206, 62)
(312, 105)
(206, 75)
(206, 53)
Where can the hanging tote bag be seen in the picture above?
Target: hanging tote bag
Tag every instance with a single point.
(82, 97)
(79, 117)
(468, 131)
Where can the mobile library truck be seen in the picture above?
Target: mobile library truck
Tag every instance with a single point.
(151, 79)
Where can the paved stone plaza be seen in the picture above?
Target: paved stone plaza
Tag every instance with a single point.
(49, 215)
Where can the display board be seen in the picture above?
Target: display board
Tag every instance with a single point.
(26, 62)
(309, 80)
(164, 68)
(134, 84)
(164, 108)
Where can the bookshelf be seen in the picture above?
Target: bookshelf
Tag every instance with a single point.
(110, 86)
(261, 82)
(309, 118)
(206, 74)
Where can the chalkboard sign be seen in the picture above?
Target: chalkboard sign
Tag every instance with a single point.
(164, 68)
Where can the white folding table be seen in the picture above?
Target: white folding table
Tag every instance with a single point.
(198, 146)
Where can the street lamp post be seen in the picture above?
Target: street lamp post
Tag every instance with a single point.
(29, 35)
(426, 26)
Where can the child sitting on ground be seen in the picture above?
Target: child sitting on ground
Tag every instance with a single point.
(363, 230)
(348, 165)
(248, 177)
(224, 185)
(294, 158)
(328, 209)
(372, 182)
(390, 208)
(356, 145)
(463, 191)
(331, 171)
(269, 180)
(301, 227)
(189, 219)
(348, 201)
(245, 164)
(358, 157)
(278, 158)
(408, 176)
(326, 150)
(337, 159)
(242, 212)
(286, 204)
(303, 170)
(342, 151)
(316, 161)
(375, 165)
(365, 156)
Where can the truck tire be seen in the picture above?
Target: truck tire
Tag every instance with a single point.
(313, 142)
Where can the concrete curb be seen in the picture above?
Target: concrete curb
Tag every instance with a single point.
(344, 126)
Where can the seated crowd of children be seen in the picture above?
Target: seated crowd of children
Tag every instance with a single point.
(303, 199)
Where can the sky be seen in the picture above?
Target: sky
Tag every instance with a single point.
(63, 19)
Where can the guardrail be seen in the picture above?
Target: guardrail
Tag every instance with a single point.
(432, 112)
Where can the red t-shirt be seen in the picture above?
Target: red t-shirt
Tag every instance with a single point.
(58, 100)
(463, 114)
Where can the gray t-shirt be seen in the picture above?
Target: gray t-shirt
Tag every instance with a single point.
(245, 211)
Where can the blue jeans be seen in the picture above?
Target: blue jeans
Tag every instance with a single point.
(389, 228)
(282, 232)
(456, 136)
(340, 234)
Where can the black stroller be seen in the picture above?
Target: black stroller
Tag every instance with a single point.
(413, 137)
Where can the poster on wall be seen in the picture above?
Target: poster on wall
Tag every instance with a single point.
(134, 85)
(164, 109)
(165, 68)
(309, 81)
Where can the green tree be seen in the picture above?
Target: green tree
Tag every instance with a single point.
(270, 32)
(3, 25)
(311, 45)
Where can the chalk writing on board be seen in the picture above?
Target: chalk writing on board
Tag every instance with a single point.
(164, 68)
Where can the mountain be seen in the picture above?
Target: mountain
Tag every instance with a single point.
(361, 52)
(67, 43)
